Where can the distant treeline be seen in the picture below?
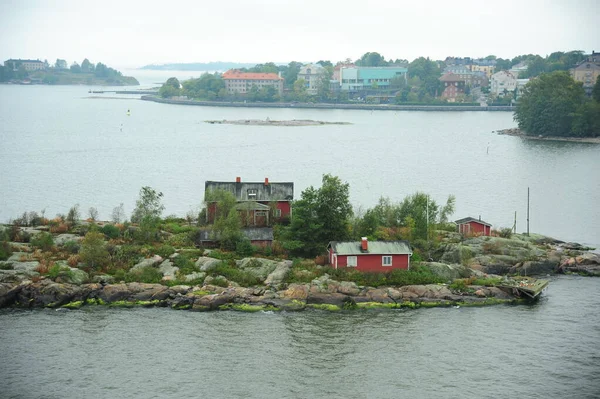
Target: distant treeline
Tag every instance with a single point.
(198, 66)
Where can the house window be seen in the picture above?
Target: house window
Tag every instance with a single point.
(252, 193)
(386, 261)
(351, 261)
(277, 213)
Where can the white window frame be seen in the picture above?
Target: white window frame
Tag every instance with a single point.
(384, 258)
(252, 192)
(352, 261)
(277, 213)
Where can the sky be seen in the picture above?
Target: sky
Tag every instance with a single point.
(133, 33)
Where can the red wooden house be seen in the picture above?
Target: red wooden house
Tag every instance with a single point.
(259, 204)
(375, 256)
(474, 227)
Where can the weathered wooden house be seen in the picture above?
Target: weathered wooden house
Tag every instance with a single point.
(259, 204)
(374, 256)
(474, 227)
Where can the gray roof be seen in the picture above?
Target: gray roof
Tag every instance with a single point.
(264, 191)
(470, 219)
(374, 248)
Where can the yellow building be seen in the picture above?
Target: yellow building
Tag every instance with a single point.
(587, 72)
(487, 69)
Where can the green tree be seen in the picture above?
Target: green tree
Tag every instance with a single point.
(75, 68)
(170, 88)
(371, 60)
(93, 250)
(87, 66)
(149, 204)
(324, 83)
(549, 104)
(320, 215)
(227, 224)
(596, 90)
(173, 82)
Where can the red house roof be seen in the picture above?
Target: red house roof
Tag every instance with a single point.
(470, 219)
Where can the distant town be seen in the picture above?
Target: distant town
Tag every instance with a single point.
(372, 79)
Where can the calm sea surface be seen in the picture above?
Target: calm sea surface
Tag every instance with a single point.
(547, 350)
(60, 147)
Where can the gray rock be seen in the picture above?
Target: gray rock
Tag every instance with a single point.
(259, 267)
(103, 278)
(61, 239)
(152, 262)
(72, 276)
(205, 264)
(348, 288)
(26, 266)
(276, 277)
(168, 270)
(195, 276)
(209, 280)
(16, 256)
(448, 271)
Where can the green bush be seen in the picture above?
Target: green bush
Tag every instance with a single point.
(244, 248)
(43, 241)
(177, 228)
(233, 273)
(220, 282)
(164, 250)
(185, 264)
(111, 231)
(146, 274)
(72, 246)
(181, 240)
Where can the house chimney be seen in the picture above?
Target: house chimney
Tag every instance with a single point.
(365, 244)
(266, 181)
(480, 217)
(238, 179)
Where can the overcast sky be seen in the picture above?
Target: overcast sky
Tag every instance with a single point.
(128, 33)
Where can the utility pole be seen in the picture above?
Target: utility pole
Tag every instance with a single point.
(528, 211)
(515, 224)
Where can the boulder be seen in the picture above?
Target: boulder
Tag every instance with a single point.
(378, 295)
(71, 275)
(327, 298)
(295, 291)
(348, 288)
(26, 267)
(61, 239)
(448, 271)
(276, 277)
(16, 256)
(210, 279)
(152, 262)
(103, 279)
(259, 267)
(205, 264)
(195, 276)
(168, 270)
(535, 267)
(212, 302)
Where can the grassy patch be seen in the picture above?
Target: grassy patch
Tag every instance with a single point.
(324, 306)
(233, 273)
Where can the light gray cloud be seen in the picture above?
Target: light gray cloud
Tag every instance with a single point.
(134, 33)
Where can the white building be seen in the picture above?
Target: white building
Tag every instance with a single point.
(519, 68)
(501, 82)
(311, 73)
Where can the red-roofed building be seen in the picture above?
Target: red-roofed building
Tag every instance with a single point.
(241, 82)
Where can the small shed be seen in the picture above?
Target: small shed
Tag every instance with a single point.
(472, 226)
(374, 256)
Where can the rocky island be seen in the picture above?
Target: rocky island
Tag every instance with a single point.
(269, 122)
(469, 271)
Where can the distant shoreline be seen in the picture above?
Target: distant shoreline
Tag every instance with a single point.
(368, 107)
(519, 133)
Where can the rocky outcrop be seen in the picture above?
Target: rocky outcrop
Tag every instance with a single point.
(586, 263)
(149, 262)
(323, 293)
(205, 263)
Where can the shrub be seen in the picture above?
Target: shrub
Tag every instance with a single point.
(492, 247)
(146, 274)
(72, 246)
(505, 232)
(244, 248)
(111, 231)
(185, 264)
(93, 250)
(54, 271)
(220, 281)
(233, 273)
(43, 241)
(181, 240)
(73, 215)
(164, 250)
(73, 260)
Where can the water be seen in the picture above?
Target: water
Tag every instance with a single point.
(59, 147)
(547, 350)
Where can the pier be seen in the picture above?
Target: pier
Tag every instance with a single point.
(527, 287)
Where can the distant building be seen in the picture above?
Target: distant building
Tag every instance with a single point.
(518, 69)
(454, 86)
(357, 79)
(311, 73)
(29, 65)
(242, 82)
(488, 70)
(587, 72)
(365, 256)
(502, 82)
